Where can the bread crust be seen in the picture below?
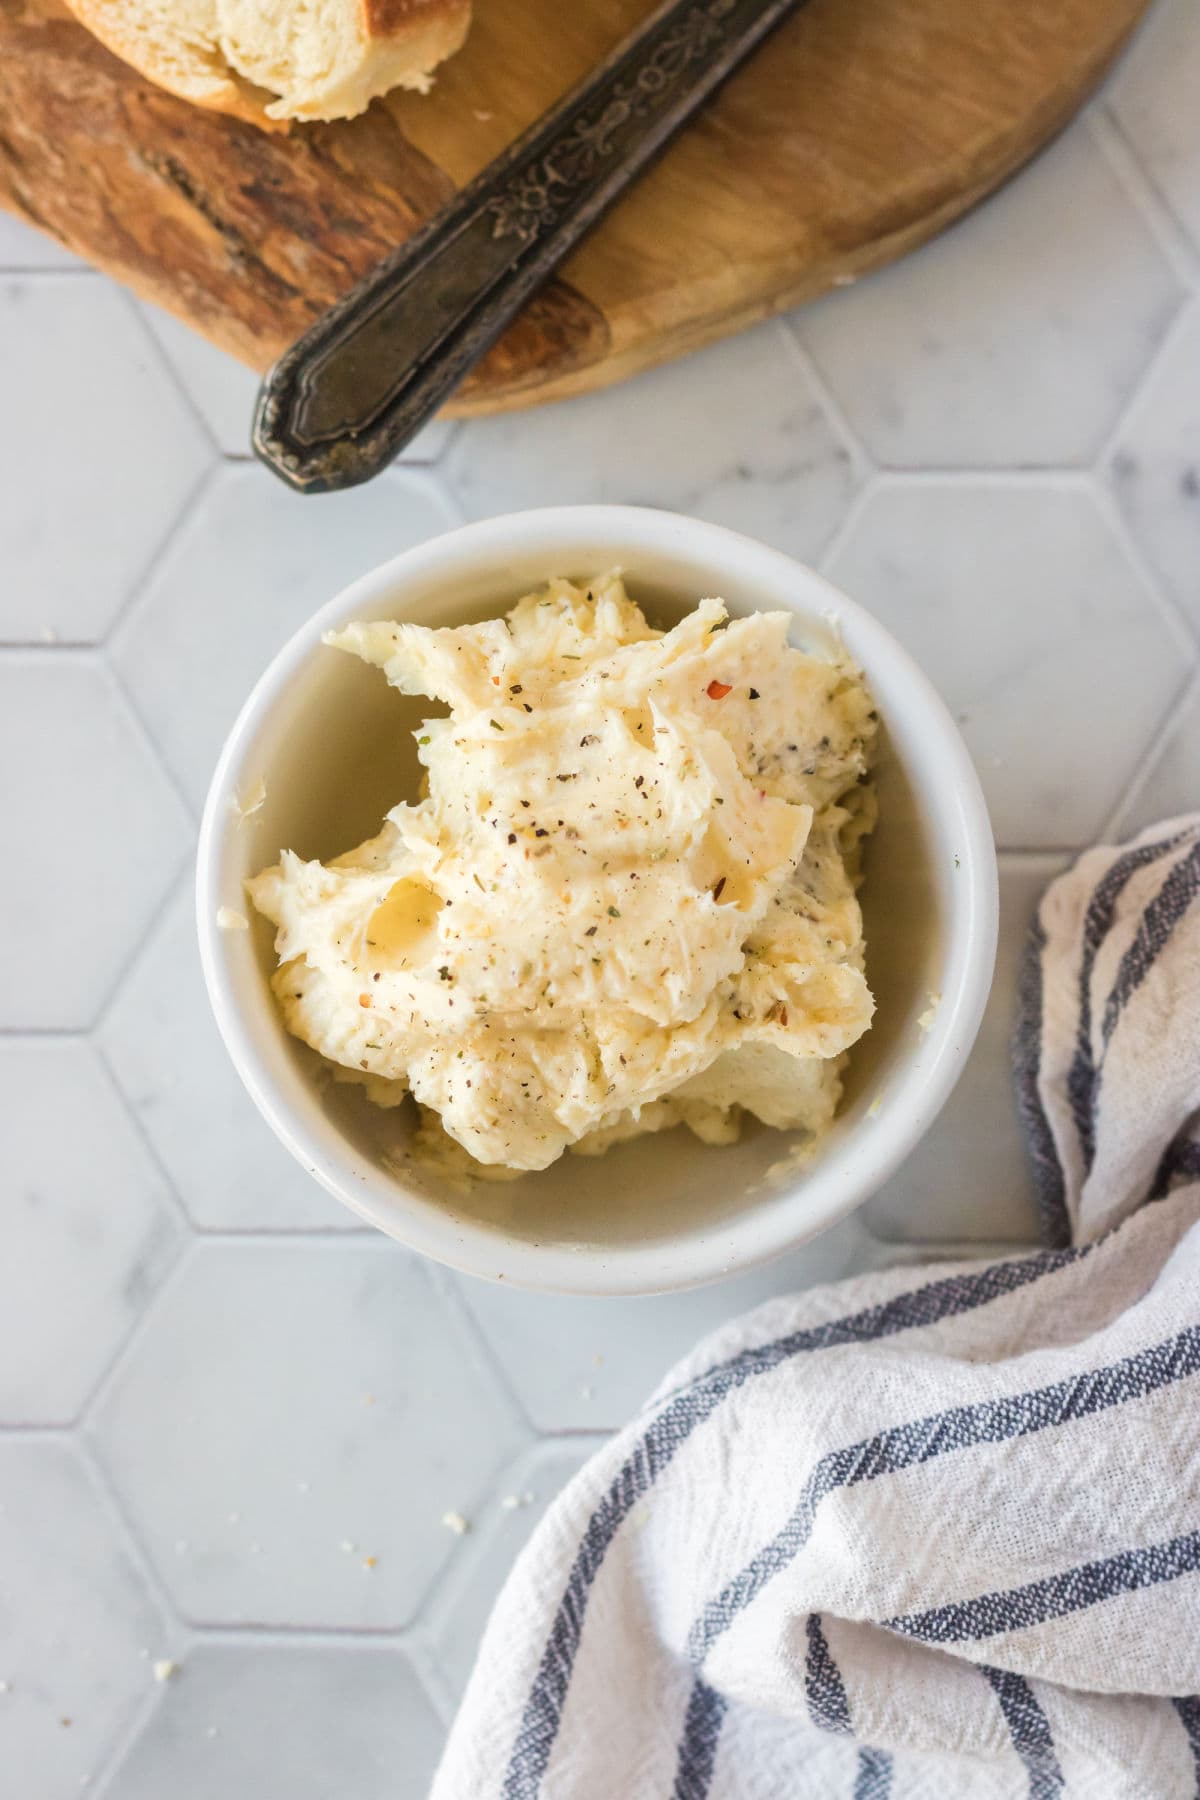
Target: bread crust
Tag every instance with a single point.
(438, 26)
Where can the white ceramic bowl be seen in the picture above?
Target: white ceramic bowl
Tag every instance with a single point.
(332, 744)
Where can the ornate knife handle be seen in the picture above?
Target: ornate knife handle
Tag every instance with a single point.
(336, 407)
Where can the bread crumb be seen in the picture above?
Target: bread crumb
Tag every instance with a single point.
(249, 802)
(925, 1022)
(370, 1562)
(454, 1521)
(229, 919)
(163, 1671)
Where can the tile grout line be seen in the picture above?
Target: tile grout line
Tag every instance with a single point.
(1172, 616)
(1179, 325)
(862, 462)
(445, 1284)
(1169, 233)
(142, 582)
(167, 364)
(1150, 759)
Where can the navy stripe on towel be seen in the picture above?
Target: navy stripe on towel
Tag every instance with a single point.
(1053, 1598)
(1029, 1729)
(874, 1778)
(1188, 1708)
(698, 1746)
(959, 1428)
(1180, 1158)
(1153, 934)
(948, 1297)
(1048, 1179)
(823, 1686)
(1097, 923)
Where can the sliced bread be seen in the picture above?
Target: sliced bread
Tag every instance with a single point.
(273, 60)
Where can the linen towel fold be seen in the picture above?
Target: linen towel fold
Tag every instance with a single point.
(931, 1532)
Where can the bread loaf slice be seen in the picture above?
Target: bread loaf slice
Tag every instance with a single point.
(273, 60)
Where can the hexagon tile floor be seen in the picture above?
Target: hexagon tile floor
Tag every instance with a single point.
(231, 1422)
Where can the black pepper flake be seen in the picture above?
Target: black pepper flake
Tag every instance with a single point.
(541, 831)
(640, 781)
(494, 725)
(375, 976)
(527, 706)
(613, 913)
(591, 931)
(754, 693)
(516, 688)
(719, 889)
(591, 738)
(512, 837)
(524, 803)
(445, 974)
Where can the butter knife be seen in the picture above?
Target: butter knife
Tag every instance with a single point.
(339, 405)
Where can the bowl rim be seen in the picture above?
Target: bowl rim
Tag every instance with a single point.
(736, 1246)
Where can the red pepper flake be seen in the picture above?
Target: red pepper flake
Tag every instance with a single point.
(717, 690)
(495, 681)
(719, 889)
(364, 999)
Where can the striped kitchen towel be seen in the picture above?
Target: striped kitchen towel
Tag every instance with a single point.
(933, 1532)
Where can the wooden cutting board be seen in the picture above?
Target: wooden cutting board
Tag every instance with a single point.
(863, 127)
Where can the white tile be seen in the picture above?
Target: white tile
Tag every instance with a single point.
(1012, 340)
(589, 1365)
(250, 564)
(466, 1597)
(225, 390)
(1155, 468)
(970, 1177)
(284, 1721)
(86, 1231)
(1025, 612)
(162, 1043)
(1170, 784)
(101, 836)
(1155, 97)
(99, 453)
(24, 249)
(75, 1619)
(222, 389)
(736, 433)
(335, 1411)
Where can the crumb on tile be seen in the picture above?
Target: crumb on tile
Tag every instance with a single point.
(164, 1670)
(455, 1522)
